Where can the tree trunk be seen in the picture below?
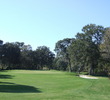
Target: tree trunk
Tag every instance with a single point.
(91, 70)
(69, 65)
(69, 68)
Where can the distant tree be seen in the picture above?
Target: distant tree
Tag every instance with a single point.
(104, 64)
(94, 35)
(20, 45)
(61, 50)
(10, 55)
(1, 44)
(84, 51)
(25, 60)
(17, 55)
(105, 45)
(77, 54)
(44, 57)
(60, 64)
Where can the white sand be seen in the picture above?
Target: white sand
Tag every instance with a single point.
(87, 77)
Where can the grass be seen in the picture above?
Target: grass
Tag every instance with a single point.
(51, 85)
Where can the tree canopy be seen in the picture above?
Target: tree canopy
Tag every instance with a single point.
(84, 51)
(87, 51)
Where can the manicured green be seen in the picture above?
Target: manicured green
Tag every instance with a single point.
(51, 85)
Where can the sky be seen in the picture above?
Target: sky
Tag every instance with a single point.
(45, 22)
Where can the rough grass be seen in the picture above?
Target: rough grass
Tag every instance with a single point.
(51, 85)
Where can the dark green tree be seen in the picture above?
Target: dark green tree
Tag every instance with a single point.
(10, 55)
(1, 44)
(104, 64)
(61, 50)
(60, 64)
(44, 57)
(94, 35)
(25, 60)
(84, 51)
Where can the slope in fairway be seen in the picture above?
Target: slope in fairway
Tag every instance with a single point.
(51, 85)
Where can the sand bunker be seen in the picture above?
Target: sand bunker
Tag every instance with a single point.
(87, 77)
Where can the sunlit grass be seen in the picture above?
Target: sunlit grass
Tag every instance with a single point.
(51, 85)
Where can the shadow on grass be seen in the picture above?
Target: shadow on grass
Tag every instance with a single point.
(6, 76)
(3, 70)
(6, 83)
(16, 88)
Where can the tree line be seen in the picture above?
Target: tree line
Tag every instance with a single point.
(89, 51)
(17, 55)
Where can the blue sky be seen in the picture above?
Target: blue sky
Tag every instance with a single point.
(44, 22)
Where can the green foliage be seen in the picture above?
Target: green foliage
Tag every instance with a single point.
(17, 55)
(104, 62)
(44, 57)
(10, 55)
(83, 52)
(60, 64)
(88, 51)
(61, 49)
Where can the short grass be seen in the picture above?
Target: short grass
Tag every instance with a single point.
(51, 85)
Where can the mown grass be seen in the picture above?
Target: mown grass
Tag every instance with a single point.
(51, 85)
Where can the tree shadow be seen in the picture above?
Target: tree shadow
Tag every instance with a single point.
(6, 83)
(3, 70)
(6, 76)
(17, 88)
